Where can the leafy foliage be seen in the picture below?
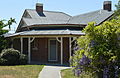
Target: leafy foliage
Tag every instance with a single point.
(12, 57)
(99, 50)
(23, 59)
(3, 61)
(117, 11)
(3, 41)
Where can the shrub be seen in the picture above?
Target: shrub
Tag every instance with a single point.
(3, 61)
(12, 57)
(23, 59)
(99, 50)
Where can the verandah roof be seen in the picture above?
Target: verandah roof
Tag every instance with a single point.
(46, 32)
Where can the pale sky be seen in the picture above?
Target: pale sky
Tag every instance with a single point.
(15, 8)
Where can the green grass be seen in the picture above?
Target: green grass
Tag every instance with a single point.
(22, 71)
(67, 73)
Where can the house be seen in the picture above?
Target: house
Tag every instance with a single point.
(48, 36)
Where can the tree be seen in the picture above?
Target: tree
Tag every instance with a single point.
(117, 11)
(118, 6)
(3, 41)
(99, 50)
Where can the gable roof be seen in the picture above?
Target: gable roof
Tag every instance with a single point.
(98, 16)
(50, 17)
(31, 17)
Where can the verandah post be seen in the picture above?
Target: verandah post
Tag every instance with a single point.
(70, 46)
(21, 40)
(61, 50)
(29, 51)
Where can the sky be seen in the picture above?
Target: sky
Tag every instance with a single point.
(15, 8)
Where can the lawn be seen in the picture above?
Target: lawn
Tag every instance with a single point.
(22, 71)
(67, 73)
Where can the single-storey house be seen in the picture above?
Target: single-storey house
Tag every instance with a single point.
(48, 36)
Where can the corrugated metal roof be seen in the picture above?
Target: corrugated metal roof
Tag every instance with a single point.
(48, 14)
(96, 16)
(29, 21)
(46, 32)
(51, 17)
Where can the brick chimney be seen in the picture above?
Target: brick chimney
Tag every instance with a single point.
(39, 7)
(107, 5)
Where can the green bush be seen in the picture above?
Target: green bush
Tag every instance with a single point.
(3, 61)
(99, 50)
(12, 57)
(23, 59)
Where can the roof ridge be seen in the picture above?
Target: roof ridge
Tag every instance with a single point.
(80, 14)
(51, 11)
(92, 12)
(86, 13)
(58, 12)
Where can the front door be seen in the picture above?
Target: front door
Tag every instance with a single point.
(52, 55)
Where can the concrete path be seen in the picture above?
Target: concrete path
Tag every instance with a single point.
(51, 71)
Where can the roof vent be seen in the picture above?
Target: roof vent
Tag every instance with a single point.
(107, 5)
(39, 7)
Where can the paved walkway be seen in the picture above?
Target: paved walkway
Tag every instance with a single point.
(51, 71)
